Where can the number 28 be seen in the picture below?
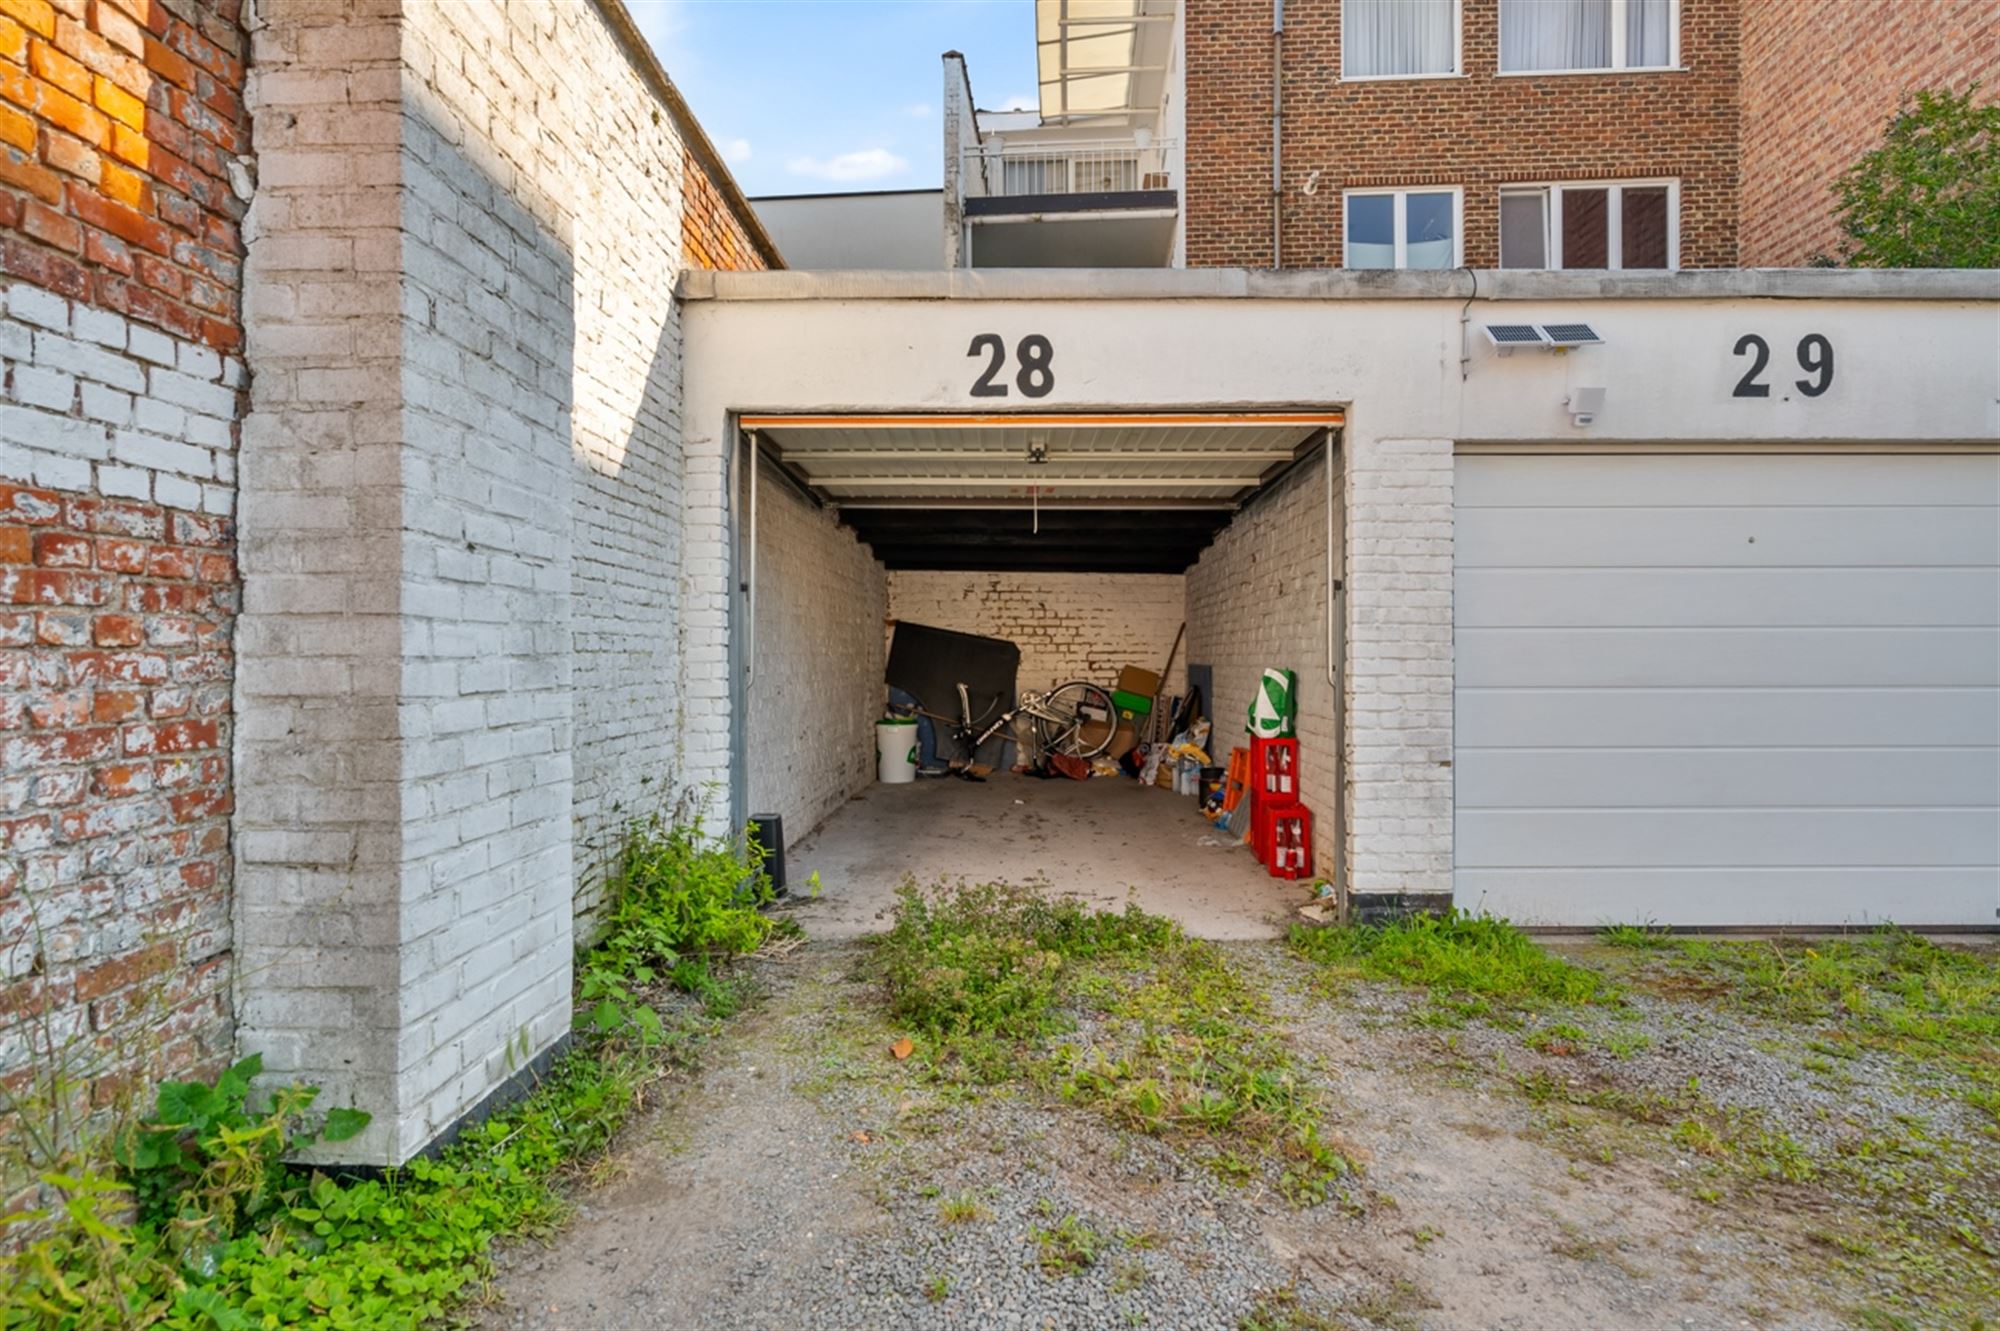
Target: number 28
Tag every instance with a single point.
(1036, 355)
(1815, 354)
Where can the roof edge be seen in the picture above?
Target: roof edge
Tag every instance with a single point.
(640, 52)
(1941, 284)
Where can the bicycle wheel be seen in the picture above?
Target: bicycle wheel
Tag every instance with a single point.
(1079, 720)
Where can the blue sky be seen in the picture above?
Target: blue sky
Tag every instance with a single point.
(809, 96)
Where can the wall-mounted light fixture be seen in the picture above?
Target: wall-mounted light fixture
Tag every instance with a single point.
(1584, 404)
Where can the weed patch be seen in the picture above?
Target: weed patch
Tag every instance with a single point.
(190, 1219)
(1117, 1011)
(1473, 965)
(1068, 1247)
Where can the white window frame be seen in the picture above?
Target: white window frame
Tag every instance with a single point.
(1614, 218)
(1400, 221)
(1457, 70)
(1617, 65)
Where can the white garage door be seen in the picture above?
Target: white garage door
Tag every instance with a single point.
(1735, 689)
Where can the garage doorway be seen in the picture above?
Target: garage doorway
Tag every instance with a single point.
(1088, 542)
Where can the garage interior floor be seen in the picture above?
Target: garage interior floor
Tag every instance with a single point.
(1106, 840)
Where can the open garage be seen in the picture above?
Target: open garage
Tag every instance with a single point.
(1141, 562)
(1607, 621)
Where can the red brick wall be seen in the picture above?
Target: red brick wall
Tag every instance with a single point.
(1820, 84)
(712, 234)
(117, 122)
(1478, 132)
(116, 119)
(115, 662)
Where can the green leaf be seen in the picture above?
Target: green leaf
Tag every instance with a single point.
(184, 1102)
(341, 1124)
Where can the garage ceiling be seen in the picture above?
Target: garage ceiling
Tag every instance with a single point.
(1109, 493)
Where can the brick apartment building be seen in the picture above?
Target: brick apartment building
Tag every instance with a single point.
(1530, 133)
(1439, 133)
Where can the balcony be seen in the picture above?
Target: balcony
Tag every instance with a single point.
(1097, 203)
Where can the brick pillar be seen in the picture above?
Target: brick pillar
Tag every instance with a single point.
(1397, 748)
(404, 841)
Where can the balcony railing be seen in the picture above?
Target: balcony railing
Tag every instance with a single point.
(997, 169)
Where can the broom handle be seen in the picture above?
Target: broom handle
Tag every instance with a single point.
(1166, 670)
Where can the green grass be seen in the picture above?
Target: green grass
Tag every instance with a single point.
(1473, 965)
(1910, 1209)
(1886, 990)
(1115, 1011)
(1068, 1247)
(964, 1209)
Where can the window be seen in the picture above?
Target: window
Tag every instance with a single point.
(1402, 228)
(1570, 36)
(1627, 225)
(1392, 39)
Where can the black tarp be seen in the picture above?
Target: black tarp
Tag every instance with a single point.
(931, 662)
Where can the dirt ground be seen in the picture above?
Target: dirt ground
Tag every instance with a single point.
(805, 1178)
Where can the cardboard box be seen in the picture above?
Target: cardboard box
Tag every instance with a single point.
(1134, 680)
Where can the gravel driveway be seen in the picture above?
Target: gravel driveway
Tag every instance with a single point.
(806, 1178)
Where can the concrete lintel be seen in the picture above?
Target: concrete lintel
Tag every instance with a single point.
(1913, 284)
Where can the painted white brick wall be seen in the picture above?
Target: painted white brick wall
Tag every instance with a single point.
(1067, 625)
(1256, 599)
(1399, 651)
(92, 403)
(471, 639)
(818, 690)
(319, 826)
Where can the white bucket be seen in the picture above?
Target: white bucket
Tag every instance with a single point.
(896, 750)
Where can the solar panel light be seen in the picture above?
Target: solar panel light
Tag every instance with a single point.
(1564, 336)
(1508, 337)
(1558, 337)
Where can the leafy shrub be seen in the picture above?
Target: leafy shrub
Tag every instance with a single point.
(1929, 196)
(191, 1221)
(679, 900)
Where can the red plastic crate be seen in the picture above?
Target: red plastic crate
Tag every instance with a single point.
(1289, 833)
(1274, 769)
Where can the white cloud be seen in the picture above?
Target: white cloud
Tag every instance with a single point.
(866, 164)
(1020, 101)
(918, 110)
(735, 150)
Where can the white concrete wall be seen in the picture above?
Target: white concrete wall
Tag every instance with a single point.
(464, 661)
(1067, 625)
(1256, 599)
(817, 690)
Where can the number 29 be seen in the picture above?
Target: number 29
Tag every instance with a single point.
(1815, 355)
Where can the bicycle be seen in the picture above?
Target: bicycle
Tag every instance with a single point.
(1064, 719)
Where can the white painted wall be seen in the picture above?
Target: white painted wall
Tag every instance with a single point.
(1067, 625)
(898, 230)
(1256, 599)
(817, 690)
(466, 628)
